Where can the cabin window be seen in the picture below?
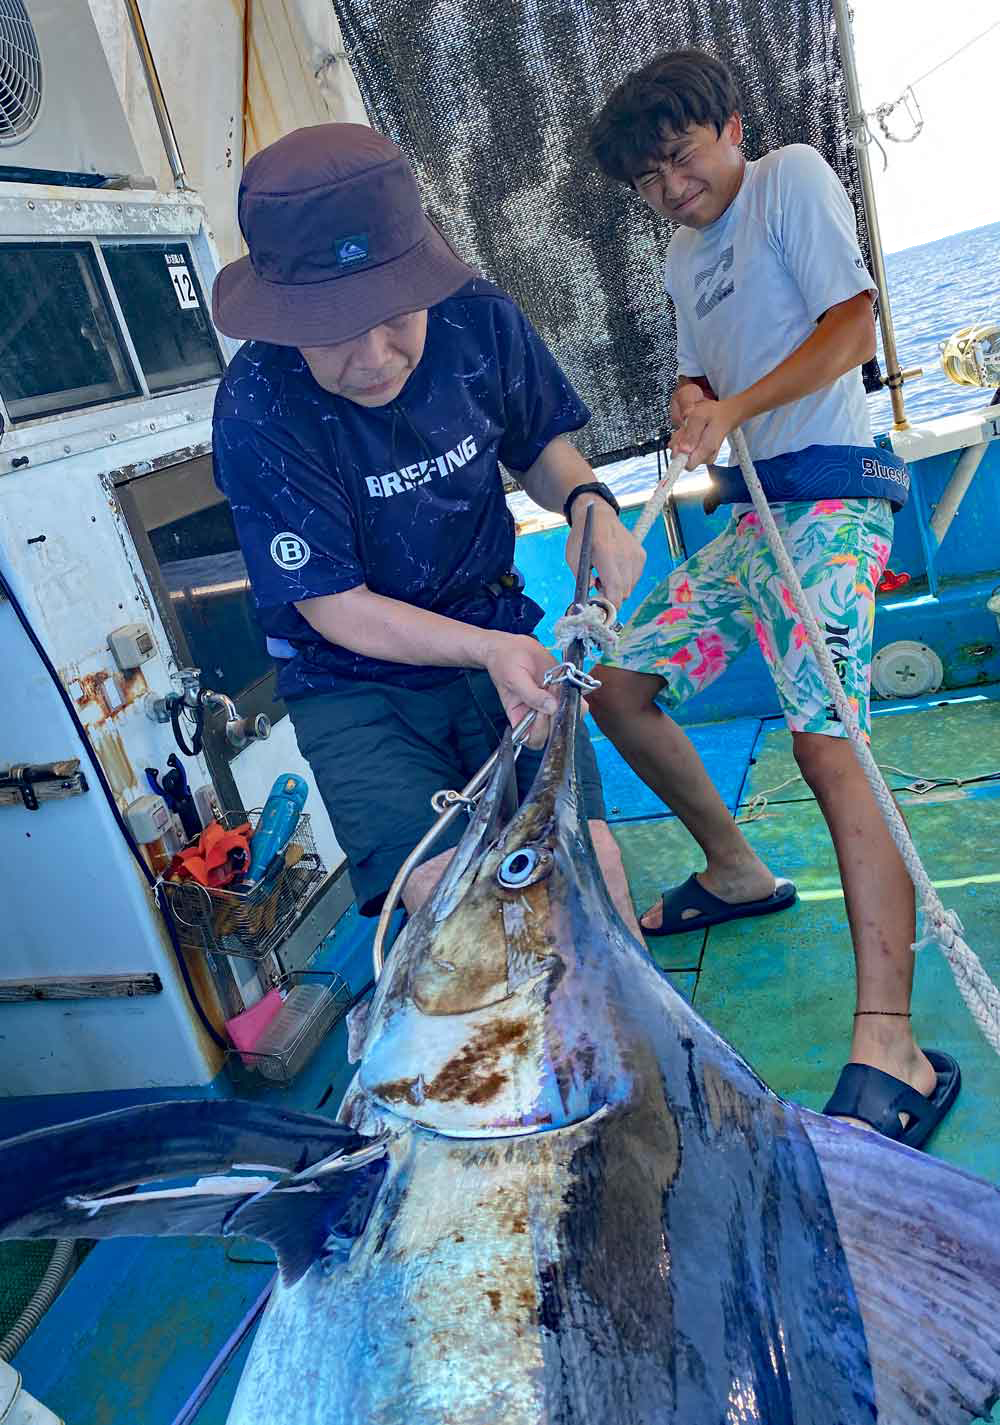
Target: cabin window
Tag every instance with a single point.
(183, 529)
(165, 311)
(60, 347)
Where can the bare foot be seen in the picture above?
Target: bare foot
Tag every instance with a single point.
(750, 881)
(878, 1042)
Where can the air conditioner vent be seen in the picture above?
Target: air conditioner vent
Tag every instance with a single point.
(20, 72)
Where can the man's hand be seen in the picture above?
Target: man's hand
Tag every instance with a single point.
(687, 394)
(685, 397)
(517, 664)
(705, 427)
(617, 555)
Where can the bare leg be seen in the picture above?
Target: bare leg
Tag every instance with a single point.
(610, 860)
(422, 881)
(880, 908)
(664, 757)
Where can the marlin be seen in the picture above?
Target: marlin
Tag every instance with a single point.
(553, 1195)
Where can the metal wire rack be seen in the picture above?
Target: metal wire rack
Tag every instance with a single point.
(249, 923)
(314, 1001)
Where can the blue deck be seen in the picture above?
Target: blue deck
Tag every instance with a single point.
(780, 990)
(132, 1334)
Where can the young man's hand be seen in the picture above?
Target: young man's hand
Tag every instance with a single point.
(617, 555)
(517, 664)
(706, 425)
(686, 396)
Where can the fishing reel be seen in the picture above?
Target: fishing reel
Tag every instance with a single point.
(972, 356)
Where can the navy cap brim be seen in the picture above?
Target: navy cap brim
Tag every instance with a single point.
(246, 307)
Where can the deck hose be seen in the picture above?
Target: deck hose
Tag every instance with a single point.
(44, 1295)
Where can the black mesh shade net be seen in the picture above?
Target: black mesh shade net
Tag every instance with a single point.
(492, 101)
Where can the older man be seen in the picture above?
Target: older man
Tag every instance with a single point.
(358, 436)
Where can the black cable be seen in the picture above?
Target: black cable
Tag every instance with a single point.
(199, 727)
(130, 841)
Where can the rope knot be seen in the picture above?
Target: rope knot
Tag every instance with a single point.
(941, 927)
(595, 622)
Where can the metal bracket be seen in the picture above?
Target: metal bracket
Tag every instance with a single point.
(29, 785)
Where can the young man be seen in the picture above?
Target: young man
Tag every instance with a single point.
(357, 435)
(774, 318)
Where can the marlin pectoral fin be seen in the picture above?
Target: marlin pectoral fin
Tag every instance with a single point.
(298, 1218)
(301, 1221)
(922, 1241)
(51, 1180)
(201, 1210)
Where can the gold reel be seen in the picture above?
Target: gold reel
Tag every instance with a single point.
(972, 356)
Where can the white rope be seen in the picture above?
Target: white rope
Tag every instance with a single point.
(941, 927)
(596, 621)
(659, 497)
(592, 623)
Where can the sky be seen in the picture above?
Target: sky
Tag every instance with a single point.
(946, 180)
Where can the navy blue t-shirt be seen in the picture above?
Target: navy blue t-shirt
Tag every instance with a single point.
(405, 498)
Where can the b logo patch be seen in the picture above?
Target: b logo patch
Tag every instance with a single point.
(289, 551)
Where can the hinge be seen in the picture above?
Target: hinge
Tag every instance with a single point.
(28, 785)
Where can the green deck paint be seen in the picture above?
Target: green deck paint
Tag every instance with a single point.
(957, 739)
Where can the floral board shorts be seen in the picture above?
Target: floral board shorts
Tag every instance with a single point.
(706, 612)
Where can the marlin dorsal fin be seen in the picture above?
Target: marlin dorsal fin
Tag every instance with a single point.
(922, 1241)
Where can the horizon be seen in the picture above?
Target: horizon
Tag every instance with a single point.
(945, 237)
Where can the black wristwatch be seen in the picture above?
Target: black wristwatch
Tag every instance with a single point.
(594, 488)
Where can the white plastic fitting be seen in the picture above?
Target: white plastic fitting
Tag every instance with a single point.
(17, 1407)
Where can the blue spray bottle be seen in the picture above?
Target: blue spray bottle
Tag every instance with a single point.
(277, 825)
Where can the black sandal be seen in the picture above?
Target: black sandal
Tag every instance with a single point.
(711, 910)
(878, 1099)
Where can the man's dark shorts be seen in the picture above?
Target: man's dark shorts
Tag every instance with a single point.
(379, 752)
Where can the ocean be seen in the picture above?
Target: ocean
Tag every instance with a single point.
(934, 290)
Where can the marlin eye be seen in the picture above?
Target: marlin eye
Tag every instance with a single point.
(523, 867)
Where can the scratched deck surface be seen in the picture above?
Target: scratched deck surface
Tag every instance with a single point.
(138, 1324)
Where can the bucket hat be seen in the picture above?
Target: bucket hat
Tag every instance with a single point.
(338, 241)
